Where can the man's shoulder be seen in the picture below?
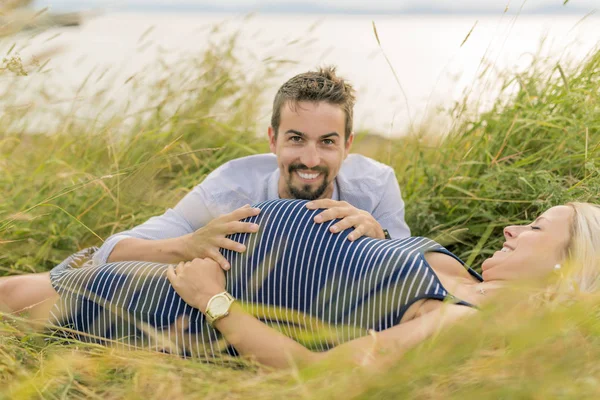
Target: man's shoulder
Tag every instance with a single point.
(257, 164)
(364, 177)
(245, 170)
(357, 166)
(244, 177)
(363, 182)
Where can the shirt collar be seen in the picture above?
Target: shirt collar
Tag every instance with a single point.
(273, 187)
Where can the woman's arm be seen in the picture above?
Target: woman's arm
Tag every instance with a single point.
(197, 281)
(255, 340)
(388, 346)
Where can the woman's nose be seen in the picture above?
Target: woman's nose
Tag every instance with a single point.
(512, 231)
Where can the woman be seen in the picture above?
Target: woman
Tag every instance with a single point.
(297, 280)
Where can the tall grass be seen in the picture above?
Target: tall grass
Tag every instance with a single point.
(535, 148)
(77, 183)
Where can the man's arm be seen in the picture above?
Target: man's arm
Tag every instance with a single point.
(380, 198)
(181, 234)
(166, 251)
(390, 210)
(157, 239)
(197, 226)
(362, 221)
(388, 214)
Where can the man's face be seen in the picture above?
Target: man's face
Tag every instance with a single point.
(310, 148)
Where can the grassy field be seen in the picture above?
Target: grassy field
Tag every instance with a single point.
(71, 186)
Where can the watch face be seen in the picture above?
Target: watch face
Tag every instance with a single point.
(219, 305)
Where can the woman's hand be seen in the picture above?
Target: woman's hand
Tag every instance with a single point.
(197, 281)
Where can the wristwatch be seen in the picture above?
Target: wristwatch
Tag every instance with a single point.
(386, 234)
(218, 307)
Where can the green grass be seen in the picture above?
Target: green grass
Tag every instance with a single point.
(82, 180)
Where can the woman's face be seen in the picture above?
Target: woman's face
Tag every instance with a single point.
(531, 251)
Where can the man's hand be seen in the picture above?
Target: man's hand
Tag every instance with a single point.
(364, 224)
(207, 241)
(197, 281)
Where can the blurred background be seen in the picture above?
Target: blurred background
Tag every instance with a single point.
(408, 58)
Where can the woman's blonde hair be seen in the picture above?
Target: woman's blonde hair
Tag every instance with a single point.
(583, 251)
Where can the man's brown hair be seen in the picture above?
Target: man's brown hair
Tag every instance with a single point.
(316, 86)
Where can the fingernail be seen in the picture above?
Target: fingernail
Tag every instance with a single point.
(334, 229)
(256, 209)
(227, 266)
(351, 238)
(318, 218)
(309, 204)
(254, 227)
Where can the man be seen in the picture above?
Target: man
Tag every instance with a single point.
(310, 137)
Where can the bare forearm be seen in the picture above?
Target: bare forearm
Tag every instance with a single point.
(253, 339)
(167, 251)
(256, 340)
(382, 349)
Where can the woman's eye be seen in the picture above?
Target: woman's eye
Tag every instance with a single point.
(536, 228)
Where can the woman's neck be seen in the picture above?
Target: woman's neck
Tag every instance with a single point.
(459, 282)
(479, 293)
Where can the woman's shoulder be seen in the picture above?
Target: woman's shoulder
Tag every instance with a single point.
(421, 244)
(445, 263)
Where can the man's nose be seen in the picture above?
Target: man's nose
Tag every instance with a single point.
(310, 156)
(512, 231)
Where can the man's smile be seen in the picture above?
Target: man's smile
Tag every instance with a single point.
(308, 176)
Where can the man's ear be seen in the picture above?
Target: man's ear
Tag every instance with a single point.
(348, 143)
(272, 139)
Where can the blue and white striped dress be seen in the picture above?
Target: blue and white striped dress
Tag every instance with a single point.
(314, 286)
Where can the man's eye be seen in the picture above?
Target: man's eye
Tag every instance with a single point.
(328, 142)
(296, 139)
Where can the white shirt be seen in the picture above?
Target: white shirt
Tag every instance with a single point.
(364, 183)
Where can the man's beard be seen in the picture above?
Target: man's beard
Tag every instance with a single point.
(305, 192)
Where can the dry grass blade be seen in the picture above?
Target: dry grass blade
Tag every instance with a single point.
(410, 118)
(469, 34)
(563, 76)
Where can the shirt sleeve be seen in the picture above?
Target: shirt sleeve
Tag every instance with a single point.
(191, 213)
(390, 210)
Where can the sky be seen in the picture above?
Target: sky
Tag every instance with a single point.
(442, 6)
